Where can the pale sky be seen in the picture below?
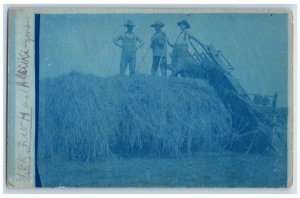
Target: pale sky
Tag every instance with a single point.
(255, 44)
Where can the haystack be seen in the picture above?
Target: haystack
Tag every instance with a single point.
(87, 118)
(83, 117)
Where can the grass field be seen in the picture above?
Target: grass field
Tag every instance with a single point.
(200, 170)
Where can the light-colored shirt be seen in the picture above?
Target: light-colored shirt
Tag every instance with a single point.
(183, 38)
(159, 44)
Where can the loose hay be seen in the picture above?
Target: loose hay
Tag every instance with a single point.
(89, 118)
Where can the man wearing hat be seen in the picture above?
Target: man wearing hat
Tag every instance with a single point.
(128, 42)
(159, 49)
(180, 48)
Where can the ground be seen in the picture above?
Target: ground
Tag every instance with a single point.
(200, 170)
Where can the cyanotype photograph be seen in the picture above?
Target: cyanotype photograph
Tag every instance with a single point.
(163, 98)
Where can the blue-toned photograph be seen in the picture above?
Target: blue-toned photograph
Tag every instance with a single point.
(162, 99)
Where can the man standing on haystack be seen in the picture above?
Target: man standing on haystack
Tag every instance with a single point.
(180, 48)
(129, 47)
(159, 49)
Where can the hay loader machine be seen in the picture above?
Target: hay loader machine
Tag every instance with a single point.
(248, 111)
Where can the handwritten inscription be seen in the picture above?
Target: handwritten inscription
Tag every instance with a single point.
(24, 110)
(23, 58)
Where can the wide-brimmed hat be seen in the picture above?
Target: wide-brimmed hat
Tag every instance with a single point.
(158, 23)
(184, 22)
(129, 23)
